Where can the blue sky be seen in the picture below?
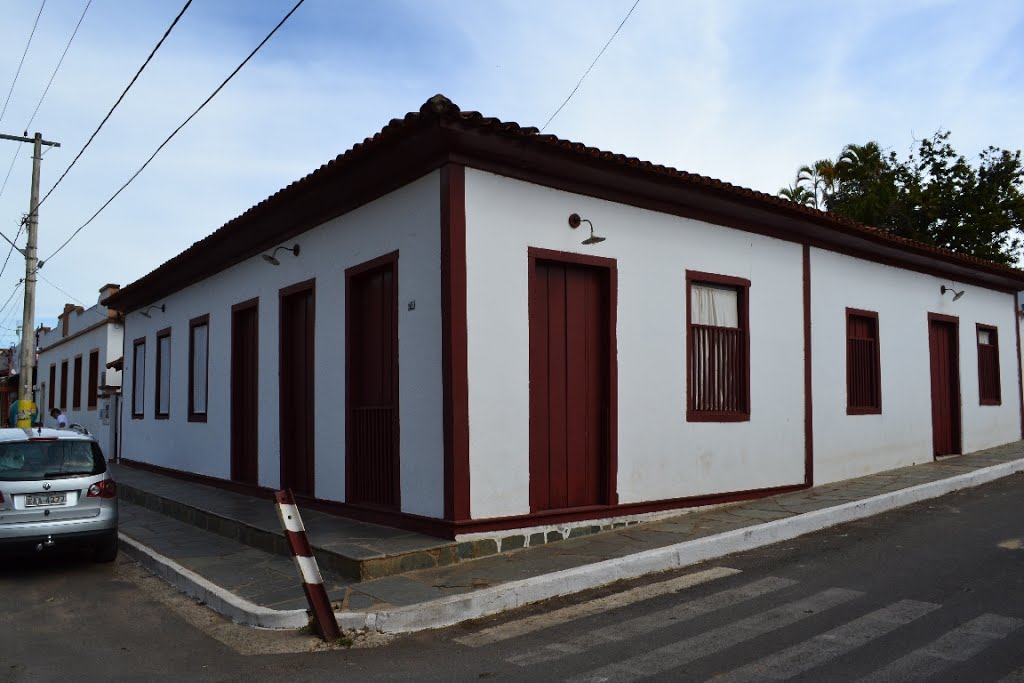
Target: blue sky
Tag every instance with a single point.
(741, 91)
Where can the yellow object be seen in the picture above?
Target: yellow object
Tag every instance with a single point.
(27, 411)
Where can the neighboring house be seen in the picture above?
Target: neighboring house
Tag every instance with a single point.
(415, 334)
(8, 383)
(72, 372)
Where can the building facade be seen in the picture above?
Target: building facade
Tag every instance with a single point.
(462, 326)
(72, 372)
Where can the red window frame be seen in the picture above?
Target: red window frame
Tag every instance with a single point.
(193, 414)
(94, 371)
(740, 378)
(863, 363)
(138, 390)
(165, 413)
(53, 387)
(989, 386)
(63, 386)
(76, 385)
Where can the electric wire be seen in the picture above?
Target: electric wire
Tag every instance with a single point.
(118, 102)
(11, 249)
(580, 82)
(175, 132)
(22, 62)
(17, 151)
(7, 303)
(59, 62)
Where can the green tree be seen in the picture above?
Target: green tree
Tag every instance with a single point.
(934, 196)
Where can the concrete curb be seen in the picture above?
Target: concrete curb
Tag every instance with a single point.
(457, 608)
(218, 599)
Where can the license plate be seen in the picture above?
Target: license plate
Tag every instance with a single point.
(33, 500)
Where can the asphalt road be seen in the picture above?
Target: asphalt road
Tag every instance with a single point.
(934, 591)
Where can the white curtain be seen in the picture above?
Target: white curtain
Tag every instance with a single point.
(200, 335)
(716, 306)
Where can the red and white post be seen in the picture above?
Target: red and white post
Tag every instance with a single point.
(312, 582)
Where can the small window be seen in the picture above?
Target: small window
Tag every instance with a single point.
(94, 370)
(76, 387)
(988, 366)
(718, 361)
(863, 366)
(198, 348)
(163, 374)
(139, 378)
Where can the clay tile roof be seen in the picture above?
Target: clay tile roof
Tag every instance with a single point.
(439, 110)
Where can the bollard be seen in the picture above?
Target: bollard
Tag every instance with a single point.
(312, 582)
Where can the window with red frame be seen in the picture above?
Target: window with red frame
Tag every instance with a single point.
(988, 366)
(863, 366)
(718, 338)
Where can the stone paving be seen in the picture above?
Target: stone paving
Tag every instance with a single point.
(270, 579)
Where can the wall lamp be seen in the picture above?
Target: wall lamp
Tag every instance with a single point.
(574, 222)
(145, 312)
(956, 295)
(272, 259)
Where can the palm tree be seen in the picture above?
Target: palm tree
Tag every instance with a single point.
(820, 179)
(798, 194)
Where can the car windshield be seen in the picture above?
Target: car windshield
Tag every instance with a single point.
(35, 460)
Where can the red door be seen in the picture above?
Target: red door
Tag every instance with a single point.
(244, 392)
(945, 371)
(296, 388)
(569, 385)
(372, 437)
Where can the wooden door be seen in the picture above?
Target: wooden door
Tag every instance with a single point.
(297, 426)
(945, 371)
(372, 438)
(245, 392)
(569, 385)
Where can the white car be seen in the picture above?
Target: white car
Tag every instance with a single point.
(56, 493)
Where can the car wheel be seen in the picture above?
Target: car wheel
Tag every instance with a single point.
(106, 551)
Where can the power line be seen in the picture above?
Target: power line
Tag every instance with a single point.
(17, 151)
(176, 130)
(59, 62)
(578, 84)
(7, 303)
(22, 62)
(11, 250)
(121, 97)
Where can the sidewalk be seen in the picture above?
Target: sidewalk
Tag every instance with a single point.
(260, 587)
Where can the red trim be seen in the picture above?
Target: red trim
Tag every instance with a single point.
(141, 341)
(389, 259)
(454, 363)
(166, 332)
(874, 409)
(998, 400)
(76, 384)
(449, 529)
(94, 378)
(611, 494)
(808, 391)
(1020, 374)
(742, 286)
(198, 321)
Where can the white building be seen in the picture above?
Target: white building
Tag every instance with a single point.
(72, 372)
(433, 345)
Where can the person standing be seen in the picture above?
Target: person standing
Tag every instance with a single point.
(61, 418)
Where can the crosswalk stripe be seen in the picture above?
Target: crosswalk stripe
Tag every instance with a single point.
(958, 645)
(496, 634)
(829, 645)
(648, 623)
(696, 647)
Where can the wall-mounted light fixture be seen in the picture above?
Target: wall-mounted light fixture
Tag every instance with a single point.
(271, 258)
(956, 295)
(145, 312)
(574, 222)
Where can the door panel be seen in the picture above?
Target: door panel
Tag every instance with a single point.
(245, 393)
(945, 385)
(373, 473)
(297, 426)
(569, 386)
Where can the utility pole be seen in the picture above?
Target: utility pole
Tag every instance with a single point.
(28, 321)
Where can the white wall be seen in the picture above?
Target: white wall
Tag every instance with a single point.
(660, 454)
(847, 446)
(105, 338)
(407, 220)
